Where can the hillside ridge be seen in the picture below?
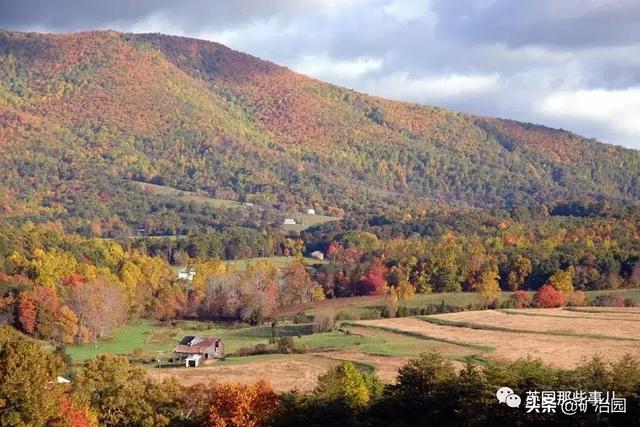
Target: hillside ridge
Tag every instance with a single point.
(84, 114)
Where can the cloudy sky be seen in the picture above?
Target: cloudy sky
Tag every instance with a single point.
(573, 64)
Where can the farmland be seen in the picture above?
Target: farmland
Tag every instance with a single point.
(562, 342)
(560, 337)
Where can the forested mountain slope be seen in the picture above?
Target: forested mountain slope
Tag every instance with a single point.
(82, 115)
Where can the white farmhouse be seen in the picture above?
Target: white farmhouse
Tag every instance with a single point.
(311, 211)
(289, 221)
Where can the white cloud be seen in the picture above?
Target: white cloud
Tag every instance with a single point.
(405, 11)
(325, 67)
(617, 110)
(434, 87)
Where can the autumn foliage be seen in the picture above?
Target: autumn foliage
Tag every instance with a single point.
(235, 405)
(548, 297)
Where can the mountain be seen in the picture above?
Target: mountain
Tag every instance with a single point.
(83, 116)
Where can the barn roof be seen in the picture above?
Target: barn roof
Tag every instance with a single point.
(194, 345)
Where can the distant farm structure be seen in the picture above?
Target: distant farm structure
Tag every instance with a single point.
(192, 349)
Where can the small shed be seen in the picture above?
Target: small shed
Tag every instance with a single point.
(311, 211)
(317, 255)
(192, 361)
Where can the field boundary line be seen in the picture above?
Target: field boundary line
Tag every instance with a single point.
(423, 336)
(516, 313)
(591, 310)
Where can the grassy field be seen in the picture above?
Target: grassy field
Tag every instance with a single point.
(152, 338)
(187, 196)
(278, 261)
(305, 221)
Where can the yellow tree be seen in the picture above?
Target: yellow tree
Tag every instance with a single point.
(345, 383)
(488, 285)
(562, 280)
(50, 267)
(67, 323)
(29, 394)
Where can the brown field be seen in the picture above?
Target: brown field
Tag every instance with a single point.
(576, 326)
(561, 351)
(284, 373)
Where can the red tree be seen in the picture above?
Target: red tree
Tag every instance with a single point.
(72, 416)
(334, 248)
(374, 283)
(548, 297)
(520, 299)
(27, 313)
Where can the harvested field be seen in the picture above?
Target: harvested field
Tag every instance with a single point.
(548, 324)
(561, 351)
(284, 373)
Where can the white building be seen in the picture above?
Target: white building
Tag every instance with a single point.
(311, 211)
(187, 273)
(289, 221)
(192, 361)
(317, 255)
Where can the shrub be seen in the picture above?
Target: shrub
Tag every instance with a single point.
(386, 313)
(628, 302)
(608, 301)
(323, 322)
(519, 299)
(403, 311)
(256, 317)
(347, 315)
(369, 314)
(286, 345)
(301, 317)
(577, 299)
(548, 297)
(256, 349)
